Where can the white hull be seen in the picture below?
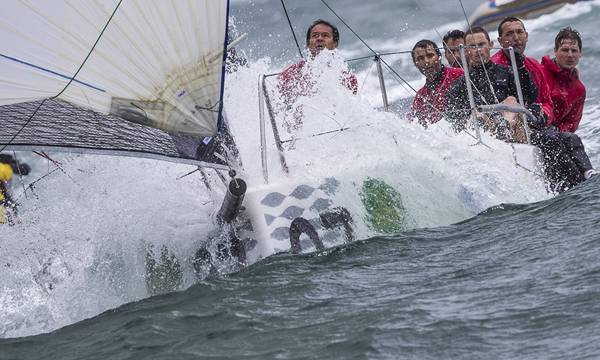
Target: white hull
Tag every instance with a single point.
(388, 174)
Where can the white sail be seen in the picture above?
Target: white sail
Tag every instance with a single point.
(147, 61)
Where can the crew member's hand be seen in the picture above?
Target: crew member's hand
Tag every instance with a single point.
(540, 117)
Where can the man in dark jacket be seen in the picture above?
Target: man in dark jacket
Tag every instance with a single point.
(492, 84)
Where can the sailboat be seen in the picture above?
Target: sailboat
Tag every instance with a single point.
(491, 12)
(145, 79)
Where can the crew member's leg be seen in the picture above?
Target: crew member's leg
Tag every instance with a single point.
(560, 168)
(576, 151)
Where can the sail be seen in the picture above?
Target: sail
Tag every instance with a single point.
(159, 63)
(56, 125)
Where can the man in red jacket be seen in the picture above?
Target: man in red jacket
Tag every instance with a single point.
(511, 32)
(296, 81)
(430, 101)
(567, 91)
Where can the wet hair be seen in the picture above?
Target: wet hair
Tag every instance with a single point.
(452, 34)
(424, 44)
(568, 34)
(334, 30)
(476, 30)
(508, 19)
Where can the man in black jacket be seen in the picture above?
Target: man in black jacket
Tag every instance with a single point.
(492, 84)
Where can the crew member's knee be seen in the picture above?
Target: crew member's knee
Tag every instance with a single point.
(511, 100)
(571, 140)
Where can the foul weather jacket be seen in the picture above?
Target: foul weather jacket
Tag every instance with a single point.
(294, 83)
(501, 79)
(537, 73)
(6, 172)
(568, 95)
(430, 101)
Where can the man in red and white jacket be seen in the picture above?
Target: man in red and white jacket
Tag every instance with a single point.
(294, 82)
(430, 101)
(567, 91)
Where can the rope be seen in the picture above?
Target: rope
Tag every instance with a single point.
(56, 163)
(19, 170)
(292, 29)
(478, 53)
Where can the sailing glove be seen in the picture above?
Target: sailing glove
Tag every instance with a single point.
(540, 118)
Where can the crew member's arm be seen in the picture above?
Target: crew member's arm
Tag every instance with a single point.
(546, 100)
(570, 122)
(350, 82)
(457, 104)
(5, 172)
(418, 109)
(528, 87)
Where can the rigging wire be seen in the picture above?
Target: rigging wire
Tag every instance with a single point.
(395, 72)
(366, 77)
(19, 170)
(478, 53)
(486, 73)
(292, 29)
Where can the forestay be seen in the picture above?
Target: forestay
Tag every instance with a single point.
(157, 63)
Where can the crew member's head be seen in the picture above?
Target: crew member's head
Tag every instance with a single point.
(322, 35)
(511, 32)
(451, 41)
(478, 46)
(427, 58)
(567, 48)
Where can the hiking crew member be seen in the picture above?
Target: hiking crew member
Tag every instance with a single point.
(8, 167)
(430, 101)
(511, 32)
(451, 41)
(293, 83)
(567, 163)
(492, 83)
(567, 91)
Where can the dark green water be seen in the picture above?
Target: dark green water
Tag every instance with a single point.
(517, 281)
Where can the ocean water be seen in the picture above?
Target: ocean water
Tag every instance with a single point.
(518, 278)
